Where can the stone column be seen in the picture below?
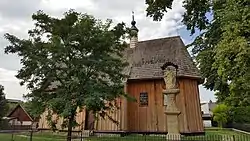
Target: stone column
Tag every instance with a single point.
(171, 109)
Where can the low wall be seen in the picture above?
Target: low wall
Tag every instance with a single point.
(243, 127)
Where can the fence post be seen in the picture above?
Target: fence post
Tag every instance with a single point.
(81, 135)
(12, 133)
(31, 134)
(12, 136)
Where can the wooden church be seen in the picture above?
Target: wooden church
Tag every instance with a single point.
(145, 84)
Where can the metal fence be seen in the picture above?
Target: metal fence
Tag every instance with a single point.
(59, 136)
(10, 132)
(136, 137)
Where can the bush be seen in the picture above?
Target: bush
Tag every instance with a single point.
(4, 124)
(240, 114)
(221, 114)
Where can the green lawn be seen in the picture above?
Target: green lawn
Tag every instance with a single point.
(227, 134)
(211, 135)
(36, 137)
(7, 137)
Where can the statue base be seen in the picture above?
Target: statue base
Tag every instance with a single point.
(173, 112)
(171, 91)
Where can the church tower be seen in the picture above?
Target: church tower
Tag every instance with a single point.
(133, 33)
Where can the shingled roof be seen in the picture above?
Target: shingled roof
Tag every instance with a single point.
(146, 59)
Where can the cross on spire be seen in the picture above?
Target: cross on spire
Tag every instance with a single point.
(133, 19)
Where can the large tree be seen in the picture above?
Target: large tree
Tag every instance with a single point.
(223, 49)
(3, 104)
(71, 63)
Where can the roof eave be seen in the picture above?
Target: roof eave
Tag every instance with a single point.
(199, 79)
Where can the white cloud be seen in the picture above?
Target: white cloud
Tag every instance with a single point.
(118, 10)
(18, 9)
(12, 89)
(55, 5)
(7, 75)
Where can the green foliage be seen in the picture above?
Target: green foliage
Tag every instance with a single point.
(240, 114)
(33, 112)
(222, 50)
(156, 8)
(194, 17)
(221, 114)
(71, 63)
(3, 103)
(3, 107)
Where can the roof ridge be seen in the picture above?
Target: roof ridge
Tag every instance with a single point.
(155, 39)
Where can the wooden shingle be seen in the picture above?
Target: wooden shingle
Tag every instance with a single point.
(145, 60)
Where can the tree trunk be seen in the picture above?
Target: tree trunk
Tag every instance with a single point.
(70, 126)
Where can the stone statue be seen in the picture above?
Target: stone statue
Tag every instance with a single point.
(170, 77)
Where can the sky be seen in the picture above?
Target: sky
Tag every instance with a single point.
(15, 18)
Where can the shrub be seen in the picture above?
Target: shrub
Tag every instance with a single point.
(221, 114)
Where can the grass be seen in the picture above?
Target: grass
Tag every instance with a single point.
(7, 137)
(218, 134)
(211, 135)
(26, 137)
(215, 134)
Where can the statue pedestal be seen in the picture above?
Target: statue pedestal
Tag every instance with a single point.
(172, 122)
(172, 114)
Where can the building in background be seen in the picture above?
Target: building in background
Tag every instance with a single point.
(207, 114)
(19, 116)
(14, 101)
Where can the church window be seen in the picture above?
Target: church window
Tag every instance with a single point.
(144, 99)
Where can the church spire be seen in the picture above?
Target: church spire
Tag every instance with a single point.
(133, 22)
(133, 32)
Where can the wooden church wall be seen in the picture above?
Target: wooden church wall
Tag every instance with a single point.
(192, 102)
(152, 117)
(99, 124)
(43, 123)
(111, 122)
(120, 115)
(142, 118)
(133, 117)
